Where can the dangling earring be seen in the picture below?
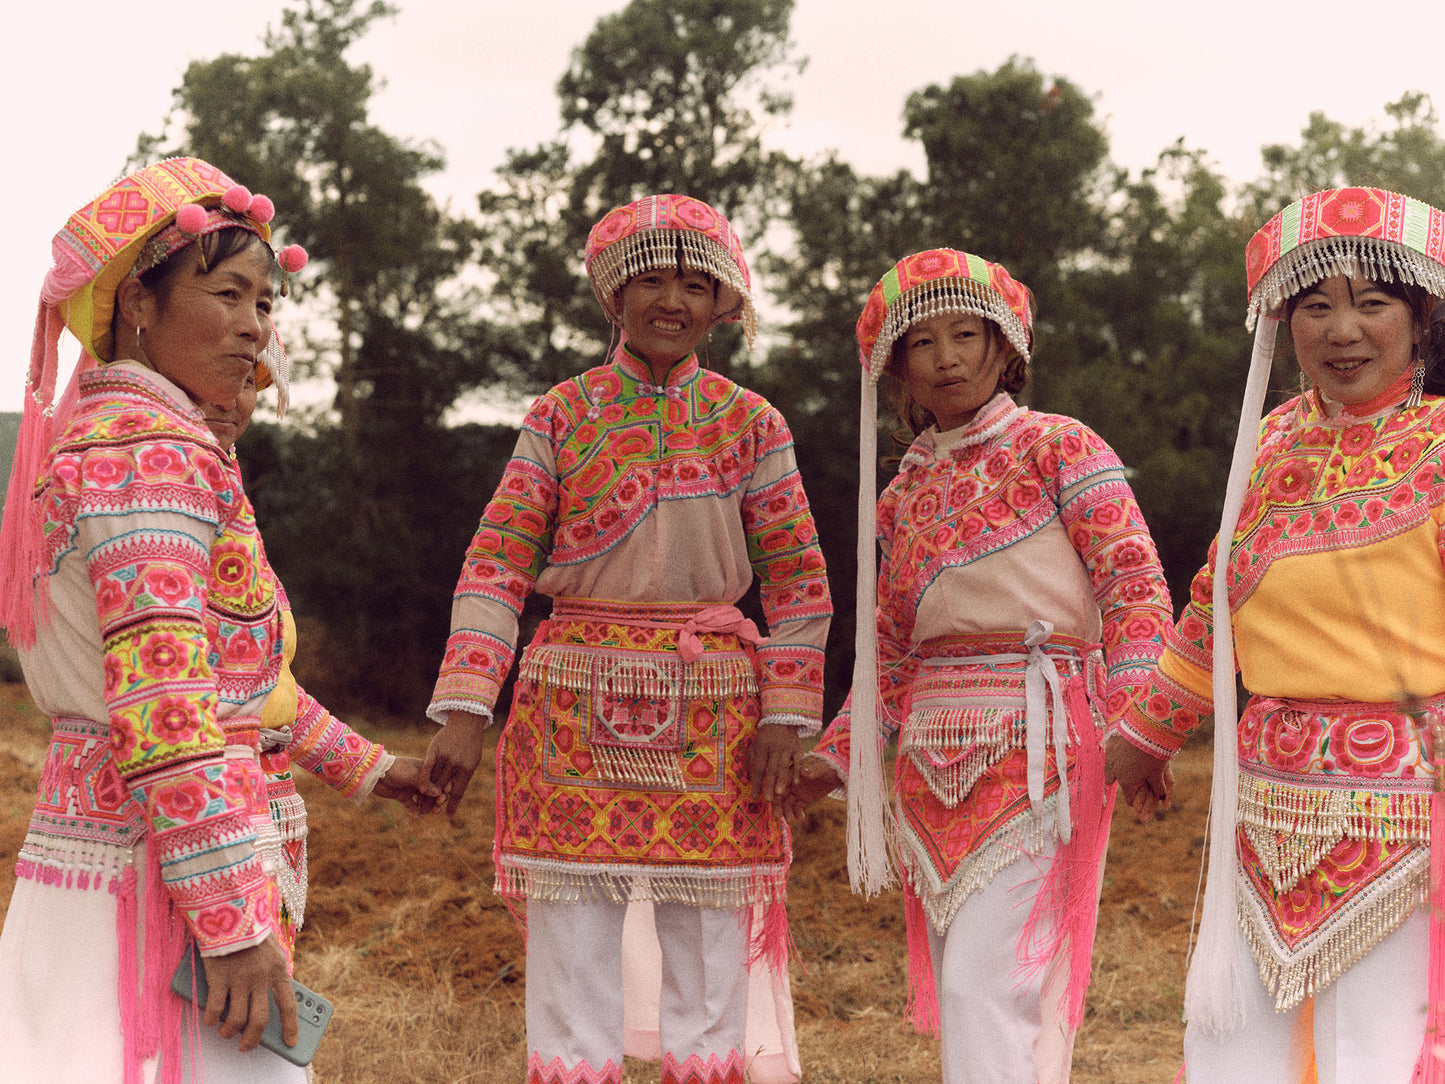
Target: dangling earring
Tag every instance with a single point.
(1417, 385)
(1304, 385)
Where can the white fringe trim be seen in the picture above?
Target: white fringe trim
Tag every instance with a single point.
(648, 250)
(568, 882)
(1313, 261)
(1292, 827)
(1026, 836)
(1339, 945)
(1213, 992)
(938, 296)
(871, 827)
(590, 669)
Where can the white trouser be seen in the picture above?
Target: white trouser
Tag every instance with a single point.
(998, 1026)
(1366, 1027)
(574, 980)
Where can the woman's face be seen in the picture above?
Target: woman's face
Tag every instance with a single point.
(228, 423)
(1352, 339)
(666, 312)
(204, 330)
(951, 366)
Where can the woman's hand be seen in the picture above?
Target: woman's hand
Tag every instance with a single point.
(1146, 782)
(402, 783)
(239, 983)
(451, 758)
(816, 779)
(773, 760)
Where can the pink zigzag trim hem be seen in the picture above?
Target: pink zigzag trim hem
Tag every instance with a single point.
(695, 1070)
(555, 1072)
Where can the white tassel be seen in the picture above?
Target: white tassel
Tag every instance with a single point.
(870, 866)
(1213, 999)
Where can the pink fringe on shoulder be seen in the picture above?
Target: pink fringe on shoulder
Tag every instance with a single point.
(21, 534)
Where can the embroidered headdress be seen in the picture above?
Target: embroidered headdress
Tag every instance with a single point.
(665, 231)
(136, 224)
(1381, 236)
(937, 281)
(925, 284)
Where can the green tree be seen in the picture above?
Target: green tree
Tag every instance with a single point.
(1405, 154)
(663, 96)
(1166, 390)
(388, 318)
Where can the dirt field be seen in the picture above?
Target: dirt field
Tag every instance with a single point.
(427, 970)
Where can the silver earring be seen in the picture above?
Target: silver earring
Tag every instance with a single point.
(1417, 386)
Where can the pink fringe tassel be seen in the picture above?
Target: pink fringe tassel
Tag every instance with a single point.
(128, 993)
(772, 945)
(922, 1008)
(1430, 1067)
(1067, 905)
(22, 543)
(163, 1014)
(151, 1017)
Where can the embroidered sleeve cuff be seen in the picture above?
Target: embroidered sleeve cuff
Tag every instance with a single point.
(833, 746)
(333, 752)
(438, 710)
(806, 727)
(368, 784)
(1155, 748)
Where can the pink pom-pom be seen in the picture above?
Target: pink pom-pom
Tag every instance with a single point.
(292, 258)
(262, 209)
(237, 198)
(191, 218)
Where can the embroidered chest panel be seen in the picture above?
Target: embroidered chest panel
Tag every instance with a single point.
(622, 447)
(128, 456)
(952, 509)
(1317, 486)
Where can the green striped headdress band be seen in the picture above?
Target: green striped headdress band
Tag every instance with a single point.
(1380, 235)
(942, 280)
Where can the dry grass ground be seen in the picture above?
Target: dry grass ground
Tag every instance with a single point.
(428, 972)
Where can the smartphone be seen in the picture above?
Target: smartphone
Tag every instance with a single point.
(313, 1012)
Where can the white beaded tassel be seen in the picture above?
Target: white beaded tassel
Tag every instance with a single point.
(1212, 994)
(870, 866)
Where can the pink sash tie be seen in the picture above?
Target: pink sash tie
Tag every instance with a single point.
(719, 618)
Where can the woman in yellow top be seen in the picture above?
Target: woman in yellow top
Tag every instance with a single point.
(1327, 589)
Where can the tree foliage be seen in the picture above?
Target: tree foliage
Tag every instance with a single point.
(395, 328)
(1138, 282)
(663, 96)
(1404, 154)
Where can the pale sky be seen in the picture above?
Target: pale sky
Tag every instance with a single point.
(83, 78)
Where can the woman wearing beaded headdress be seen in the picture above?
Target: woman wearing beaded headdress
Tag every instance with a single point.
(651, 726)
(135, 589)
(297, 732)
(1325, 593)
(1018, 601)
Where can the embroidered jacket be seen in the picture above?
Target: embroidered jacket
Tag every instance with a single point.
(622, 490)
(1337, 601)
(1018, 517)
(162, 641)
